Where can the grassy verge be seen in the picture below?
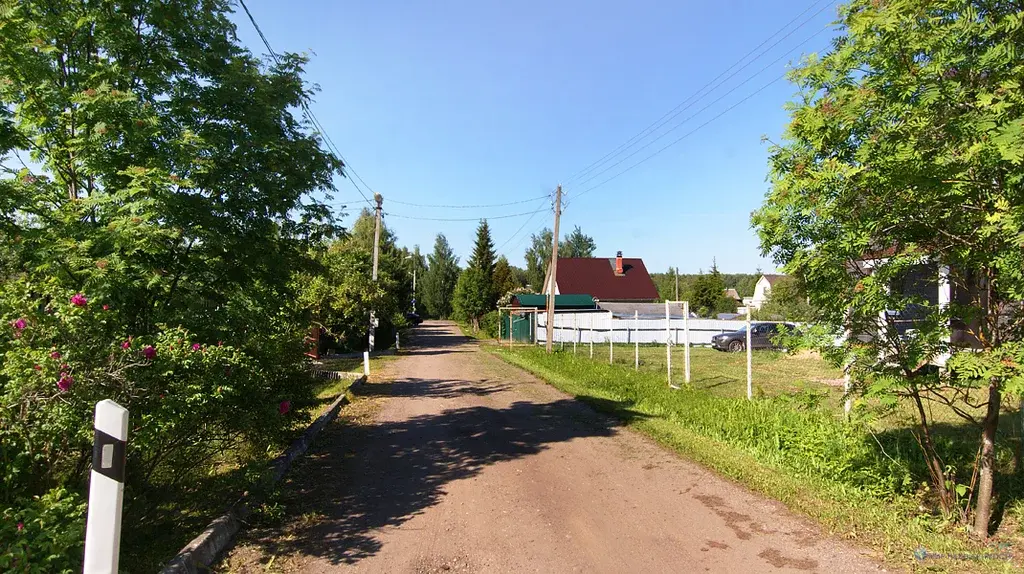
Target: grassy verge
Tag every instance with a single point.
(800, 454)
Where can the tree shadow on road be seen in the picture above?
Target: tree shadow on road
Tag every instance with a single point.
(435, 388)
(362, 478)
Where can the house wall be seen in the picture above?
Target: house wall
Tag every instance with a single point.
(762, 289)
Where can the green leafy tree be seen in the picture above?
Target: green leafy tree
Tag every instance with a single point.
(505, 279)
(538, 257)
(440, 279)
(167, 206)
(707, 294)
(538, 254)
(905, 147)
(472, 298)
(576, 244)
(787, 301)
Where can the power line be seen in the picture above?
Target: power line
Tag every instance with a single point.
(696, 96)
(310, 115)
(513, 236)
(532, 233)
(700, 111)
(417, 218)
(469, 206)
(684, 136)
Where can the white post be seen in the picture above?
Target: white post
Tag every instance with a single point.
(750, 358)
(106, 489)
(686, 339)
(591, 336)
(668, 344)
(398, 344)
(848, 333)
(366, 363)
(636, 341)
(945, 296)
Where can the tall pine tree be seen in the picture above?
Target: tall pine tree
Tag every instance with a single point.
(440, 279)
(483, 258)
(483, 251)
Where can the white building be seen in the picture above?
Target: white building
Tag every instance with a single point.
(762, 291)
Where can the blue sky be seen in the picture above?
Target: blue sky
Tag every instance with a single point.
(469, 103)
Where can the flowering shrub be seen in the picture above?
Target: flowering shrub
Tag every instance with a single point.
(187, 399)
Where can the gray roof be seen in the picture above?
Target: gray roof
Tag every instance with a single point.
(645, 310)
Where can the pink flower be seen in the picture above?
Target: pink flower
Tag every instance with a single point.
(21, 526)
(65, 382)
(149, 352)
(79, 300)
(196, 346)
(20, 324)
(55, 355)
(284, 407)
(126, 345)
(106, 307)
(37, 367)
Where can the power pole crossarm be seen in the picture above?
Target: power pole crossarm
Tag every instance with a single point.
(554, 270)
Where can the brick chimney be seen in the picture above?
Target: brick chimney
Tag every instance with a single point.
(618, 264)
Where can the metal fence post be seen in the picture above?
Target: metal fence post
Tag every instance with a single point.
(636, 341)
(750, 358)
(686, 339)
(106, 489)
(668, 344)
(591, 336)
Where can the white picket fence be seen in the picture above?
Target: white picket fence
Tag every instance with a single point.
(600, 327)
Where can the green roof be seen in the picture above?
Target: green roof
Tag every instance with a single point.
(561, 301)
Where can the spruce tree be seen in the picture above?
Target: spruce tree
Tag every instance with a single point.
(440, 279)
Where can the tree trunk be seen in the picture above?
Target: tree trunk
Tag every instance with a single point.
(931, 458)
(983, 511)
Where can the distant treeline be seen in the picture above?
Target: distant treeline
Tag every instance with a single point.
(743, 283)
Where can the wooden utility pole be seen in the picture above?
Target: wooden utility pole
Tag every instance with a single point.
(376, 256)
(553, 275)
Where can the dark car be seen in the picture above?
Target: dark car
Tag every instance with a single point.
(413, 318)
(761, 335)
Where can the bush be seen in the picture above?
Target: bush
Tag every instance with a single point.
(490, 324)
(188, 400)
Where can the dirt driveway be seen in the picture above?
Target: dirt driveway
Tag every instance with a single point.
(464, 464)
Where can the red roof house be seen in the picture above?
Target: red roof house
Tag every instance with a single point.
(605, 279)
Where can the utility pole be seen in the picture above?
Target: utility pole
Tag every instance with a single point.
(376, 255)
(554, 270)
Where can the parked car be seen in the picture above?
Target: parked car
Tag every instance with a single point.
(761, 335)
(413, 318)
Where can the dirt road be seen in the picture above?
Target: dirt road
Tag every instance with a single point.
(463, 464)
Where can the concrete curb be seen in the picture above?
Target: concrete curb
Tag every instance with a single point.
(197, 556)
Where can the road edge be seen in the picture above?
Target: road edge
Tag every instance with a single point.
(199, 554)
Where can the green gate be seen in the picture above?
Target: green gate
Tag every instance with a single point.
(522, 328)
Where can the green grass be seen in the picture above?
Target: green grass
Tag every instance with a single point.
(725, 374)
(796, 450)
